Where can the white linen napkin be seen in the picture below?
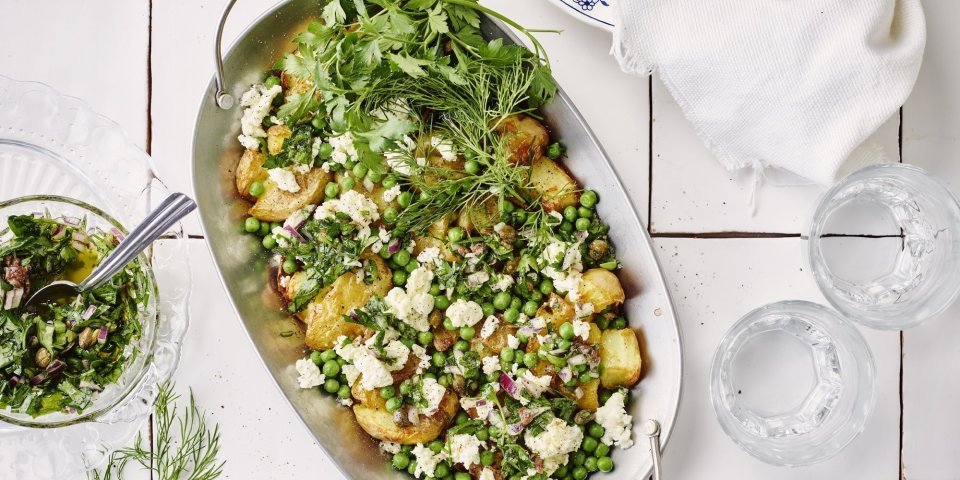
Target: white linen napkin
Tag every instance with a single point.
(794, 84)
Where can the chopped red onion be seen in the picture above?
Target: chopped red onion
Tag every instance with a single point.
(102, 336)
(14, 381)
(36, 379)
(394, 246)
(55, 367)
(514, 429)
(88, 312)
(71, 221)
(565, 375)
(80, 237)
(117, 234)
(295, 234)
(78, 245)
(413, 417)
(12, 299)
(509, 385)
(527, 331)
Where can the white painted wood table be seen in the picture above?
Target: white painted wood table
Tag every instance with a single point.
(145, 63)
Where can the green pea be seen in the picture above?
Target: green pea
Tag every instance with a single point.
(349, 164)
(271, 81)
(611, 265)
(595, 430)
(402, 257)
(400, 460)
(585, 378)
(546, 286)
(289, 266)
(405, 199)
(455, 234)
(461, 418)
(360, 170)
(566, 331)
(448, 324)
(439, 359)
(264, 229)
(564, 344)
(584, 212)
(602, 450)
(318, 122)
(331, 190)
(520, 217)
(410, 267)
(566, 227)
(394, 404)
(605, 464)
(602, 322)
(604, 396)
(461, 346)
(405, 387)
(578, 457)
(390, 215)
(256, 189)
(467, 333)
(472, 167)
(441, 302)
(375, 176)
(511, 315)
(589, 444)
(389, 182)
(516, 303)
(269, 242)
(344, 391)
(400, 277)
(507, 354)
(560, 472)
(446, 379)
(530, 359)
(434, 289)
(441, 470)
(589, 198)
(590, 464)
(488, 308)
(536, 296)
(554, 151)
(385, 252)
(582, 224)
(579, 473)
(331, 385)
(570, 213)
(412, 467)
(461, 476)
(251, 225)
(331, 368)
(501, 300)
(326, 151)
(388, 392)
(424, 338)
(619, 323)
(348, 183)
(316, 357)
(487, 457)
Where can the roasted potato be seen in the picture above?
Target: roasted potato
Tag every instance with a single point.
(601, 288)
(275, 137)
(323, 315)
(289, 291)
(524, 137)
(589, 395)
(556, 311)
(495, 342)
(619, 358)
(556, 189)
(249, 169)
(480, 218)
(292, 84)
(378, 422)
(276, 205)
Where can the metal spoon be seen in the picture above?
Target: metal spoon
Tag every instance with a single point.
(651, 428)
(175, 207)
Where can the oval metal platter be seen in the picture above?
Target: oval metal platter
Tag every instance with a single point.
(243, 267)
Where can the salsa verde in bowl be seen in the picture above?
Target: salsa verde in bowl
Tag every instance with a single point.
(76, 360)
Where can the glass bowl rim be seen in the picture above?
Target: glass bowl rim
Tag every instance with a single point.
(130, 387)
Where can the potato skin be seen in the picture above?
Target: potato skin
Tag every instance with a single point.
(524, 137)
(276, 205)
(323, 315)
(557, 189)
(620, 361)
(275, 137)
(379, 424)
(601, 288)
(249, 169)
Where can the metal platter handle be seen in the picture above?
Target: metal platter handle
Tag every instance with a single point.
(224, 99)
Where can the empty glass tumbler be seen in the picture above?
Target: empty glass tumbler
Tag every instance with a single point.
(912, 282)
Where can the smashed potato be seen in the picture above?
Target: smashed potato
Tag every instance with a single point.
(620, 361)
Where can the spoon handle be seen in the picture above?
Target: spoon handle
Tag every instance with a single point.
(173, 208)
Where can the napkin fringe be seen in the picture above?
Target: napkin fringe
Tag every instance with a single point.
(630, 61)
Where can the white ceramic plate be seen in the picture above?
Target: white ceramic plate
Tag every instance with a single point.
(599, 13)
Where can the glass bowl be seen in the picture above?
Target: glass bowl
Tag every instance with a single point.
(920, 279)
(136, 361)
(51, 144)
(792, 383)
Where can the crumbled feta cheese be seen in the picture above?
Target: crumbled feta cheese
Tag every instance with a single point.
(444, 147)
(343, 148)
(315, 152)
(345, 349)
(554, 443)
(427, 461)
(419, 280)
(583, 310)
(502, 282)
(421, 353)
(310, 375)
(346, 402)
(257, 102)
(465, 449)
(513, 342)
(489, 326)
(351, 373)
(361, 210)
(534, 384)
(581, 329)
(413, 304)
(486, 474)
(617, 424)
(490, 364)
(397, 354)
(553, 252)
(565, 282)
(477, 279)
(464, 313)
(482, 407)
(391, 193)
(373, 373)
(285, 179)
(390, 447)
(433, 393)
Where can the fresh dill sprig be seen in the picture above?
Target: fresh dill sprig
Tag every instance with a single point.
(185, 448)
